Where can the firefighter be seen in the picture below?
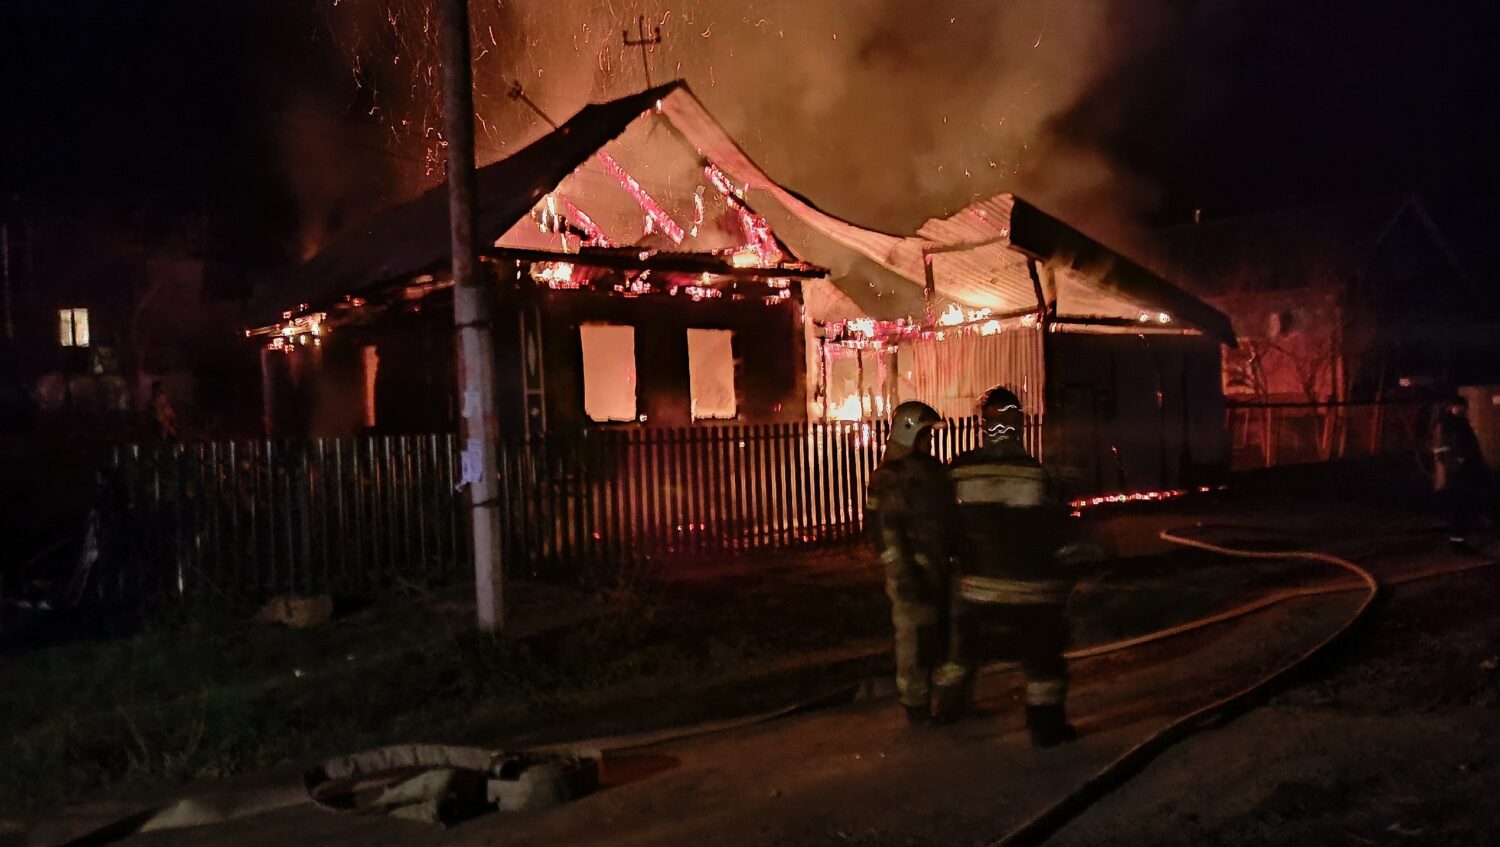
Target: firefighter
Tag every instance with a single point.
(1460, 477)
(1014, 574)
(910, 505)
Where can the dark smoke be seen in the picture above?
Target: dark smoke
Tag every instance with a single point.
(883, 111)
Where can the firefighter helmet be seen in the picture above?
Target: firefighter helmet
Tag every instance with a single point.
(909, 420)
(1001, 415)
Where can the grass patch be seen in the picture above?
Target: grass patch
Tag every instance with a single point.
(214, 695)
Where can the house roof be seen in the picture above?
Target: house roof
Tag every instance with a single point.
(981, 251)
(1286, 248)
(413, 237)
(980, 254)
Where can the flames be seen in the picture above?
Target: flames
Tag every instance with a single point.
(856, 407)
(956, 315)
(305, 330)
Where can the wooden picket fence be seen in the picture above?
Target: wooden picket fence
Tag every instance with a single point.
(253, 519)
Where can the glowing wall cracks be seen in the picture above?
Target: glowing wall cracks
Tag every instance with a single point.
(1143, 496)
(868, 332)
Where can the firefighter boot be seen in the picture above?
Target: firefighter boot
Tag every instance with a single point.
(1049, 726)
(951, 703)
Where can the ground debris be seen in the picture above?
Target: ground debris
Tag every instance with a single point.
(297, 612)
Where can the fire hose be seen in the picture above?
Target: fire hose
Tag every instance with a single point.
(1049, 821)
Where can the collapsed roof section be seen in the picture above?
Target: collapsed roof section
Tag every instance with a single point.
(978, 256)
(605, 180)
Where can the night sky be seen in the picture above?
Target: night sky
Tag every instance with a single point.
(283, 120)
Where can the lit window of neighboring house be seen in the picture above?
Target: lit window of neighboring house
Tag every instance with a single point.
(73, 327)
(609, 379)
(711, 374)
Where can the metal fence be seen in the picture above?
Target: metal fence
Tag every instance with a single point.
(1263, 435)
(257, 518)
(254, 519)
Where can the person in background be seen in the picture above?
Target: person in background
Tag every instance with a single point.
(910, 515)
(1460, 476)
(163, 416)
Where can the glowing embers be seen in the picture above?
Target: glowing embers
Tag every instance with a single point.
(702, 291)
(293, 332)
(745, 258)
(761, 246)
(1155, 317)
(583, 275)
(656, 217)
(595, 236)
(557, 215)
(558, 275)
(1143, 496)
(956, 315)
(954, 322)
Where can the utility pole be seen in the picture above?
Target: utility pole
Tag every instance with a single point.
(478, 429)
(642, 41)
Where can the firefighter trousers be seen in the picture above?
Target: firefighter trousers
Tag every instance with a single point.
(1034, 634)
(918, 595)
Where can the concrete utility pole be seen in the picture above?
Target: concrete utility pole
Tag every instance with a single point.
(478, 429)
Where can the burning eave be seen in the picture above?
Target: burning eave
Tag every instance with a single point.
(626, 272)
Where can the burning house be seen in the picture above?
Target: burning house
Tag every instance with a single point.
(636, 287)
(656, 286)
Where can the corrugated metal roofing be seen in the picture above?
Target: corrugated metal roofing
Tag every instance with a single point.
(990, 271)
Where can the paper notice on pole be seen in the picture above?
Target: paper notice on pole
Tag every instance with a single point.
(472, 405)
(471, 467)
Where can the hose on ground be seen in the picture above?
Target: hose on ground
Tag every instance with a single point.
(1050, 820)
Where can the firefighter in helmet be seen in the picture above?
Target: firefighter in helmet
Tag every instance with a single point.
(1013, 575)
(910, 503)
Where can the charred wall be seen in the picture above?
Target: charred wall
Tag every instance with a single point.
(321, 391)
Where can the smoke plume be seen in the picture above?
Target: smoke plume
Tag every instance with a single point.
(885, 112)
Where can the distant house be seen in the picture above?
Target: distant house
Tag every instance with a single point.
(1341, 302)
(94, 309)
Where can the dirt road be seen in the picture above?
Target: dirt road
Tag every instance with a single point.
(857, 775)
